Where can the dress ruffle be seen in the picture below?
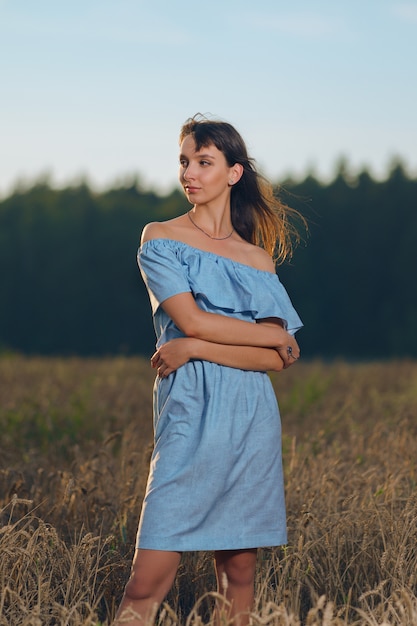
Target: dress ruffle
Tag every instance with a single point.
(170, 267)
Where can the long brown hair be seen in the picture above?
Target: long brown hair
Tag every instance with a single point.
(257, 214)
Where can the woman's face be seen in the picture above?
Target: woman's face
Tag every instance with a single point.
(204, 174)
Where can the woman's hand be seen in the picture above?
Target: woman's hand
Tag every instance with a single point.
(287, 346)
(171, 355)
(289, 351)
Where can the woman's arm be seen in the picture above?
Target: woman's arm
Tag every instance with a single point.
(173, 354)
(220, 329)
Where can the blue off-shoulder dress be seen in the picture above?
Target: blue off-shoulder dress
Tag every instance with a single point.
(215, 480)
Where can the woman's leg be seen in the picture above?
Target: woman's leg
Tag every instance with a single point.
(153, 573)
(235, 572)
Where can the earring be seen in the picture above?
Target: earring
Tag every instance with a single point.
(231, 182)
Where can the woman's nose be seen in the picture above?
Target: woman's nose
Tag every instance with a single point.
(188, 172)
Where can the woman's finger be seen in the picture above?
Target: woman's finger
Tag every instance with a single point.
(288, 355)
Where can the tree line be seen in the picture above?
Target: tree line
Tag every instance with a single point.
(70, 285)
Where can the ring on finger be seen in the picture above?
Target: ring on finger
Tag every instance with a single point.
(290, 353)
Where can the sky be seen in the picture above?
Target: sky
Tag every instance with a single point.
(98, 89)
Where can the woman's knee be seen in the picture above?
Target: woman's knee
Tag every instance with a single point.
(239, 568)
(141, 587)
(152, 575)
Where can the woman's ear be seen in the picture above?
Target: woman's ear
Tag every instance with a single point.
(235, 174)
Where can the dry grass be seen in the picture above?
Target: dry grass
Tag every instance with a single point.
(75, 444)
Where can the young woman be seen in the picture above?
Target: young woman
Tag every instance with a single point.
(222, 320)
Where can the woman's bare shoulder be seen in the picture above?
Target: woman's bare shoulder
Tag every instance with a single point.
(153, 230)
(163, 230)
(259, 258)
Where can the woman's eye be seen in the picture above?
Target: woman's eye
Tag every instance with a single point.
(204, 162)
(183, 163)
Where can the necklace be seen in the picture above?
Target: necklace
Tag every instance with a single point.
(206, 234)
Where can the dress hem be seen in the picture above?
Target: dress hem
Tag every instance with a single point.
(243, 544)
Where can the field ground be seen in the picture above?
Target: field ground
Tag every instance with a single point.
(75, 443)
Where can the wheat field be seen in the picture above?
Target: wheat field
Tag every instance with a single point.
(75, 444)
